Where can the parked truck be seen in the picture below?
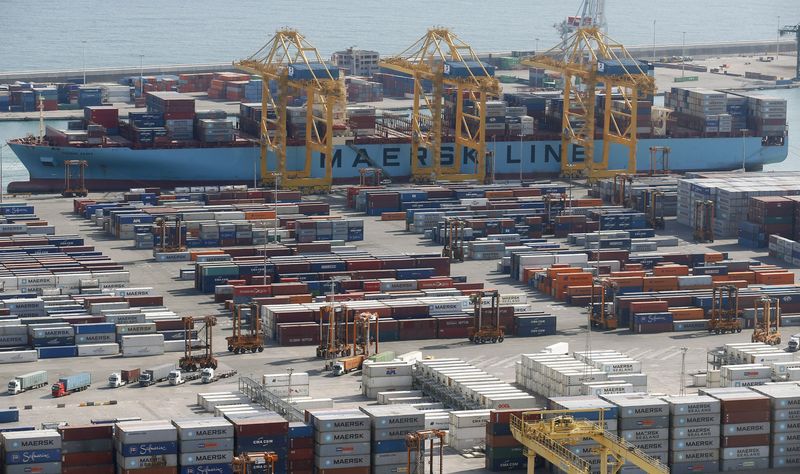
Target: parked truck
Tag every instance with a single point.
(177, 377)
(348, 364)
(25, 382)
(209, 375)
(156, 374)
(71, 383)
(123, 377)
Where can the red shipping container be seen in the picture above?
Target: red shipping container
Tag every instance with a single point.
(752, 416)
(745, 440)
(86, 432)
(503, 417)
(88, 459)
(300, 453)
(150, 470)
(169, 325)
(144, 301)
(104, 469)
(260, 426)
(413, 329)
(450, 327)
(300, 443)
(289, 289)
(364, 264)
(298, 334)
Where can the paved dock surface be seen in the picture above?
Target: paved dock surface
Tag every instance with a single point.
(659, 353)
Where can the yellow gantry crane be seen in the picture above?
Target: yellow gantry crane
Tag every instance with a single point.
(548, 433)
(446, 61)
(295, 65)
(589, 60)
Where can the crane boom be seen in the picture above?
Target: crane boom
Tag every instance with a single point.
(445, 61)
(795, 30)
(592, 60)
(290, 61)
(546, 433)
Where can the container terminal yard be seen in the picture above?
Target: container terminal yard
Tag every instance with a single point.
(424, 263)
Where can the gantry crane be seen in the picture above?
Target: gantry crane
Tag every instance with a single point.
(590, 60)
(767, 327)
(547, 433)
(446, 61)
(417, 449)
(249, 337)
(591, 12)
(724, 313)
(333, 334)
(703, 225)
(454, 229)
(190, 361)
(295, 65)
(487, 327)
(601, 315)
(794, 30)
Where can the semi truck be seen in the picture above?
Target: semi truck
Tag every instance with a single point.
(156, 374)
(123, 377)
(25, 382)
(209, 375)
(177, 377)
(348, 364)
(71, 383)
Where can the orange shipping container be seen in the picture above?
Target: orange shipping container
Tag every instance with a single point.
(783, 278)
(749, 277)
(671, 270)
(393, 216)
(499, 194)
(553, 271)
(632, 273)
(193, 254)
(687, 314)
(714, 257)
(736, 283)
(259, 215)
(627, 282)
(660, 283)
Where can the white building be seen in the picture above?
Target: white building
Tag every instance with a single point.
(357, 62)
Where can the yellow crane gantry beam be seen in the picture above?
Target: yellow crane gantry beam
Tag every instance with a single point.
(547, 433)
(592, 59)
(294, 64)
(445, 60)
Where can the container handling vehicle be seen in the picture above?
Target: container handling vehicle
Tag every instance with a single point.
(247, 335)
(25, 382)
(70, 384)
(365, 342)
(724, 314)
(191, 362)
(487, 326)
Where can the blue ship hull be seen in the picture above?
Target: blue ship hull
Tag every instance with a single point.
(115, 168)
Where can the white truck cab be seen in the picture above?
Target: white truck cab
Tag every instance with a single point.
(207, 375)
(115, 380)
(794, 343)
(176, 378)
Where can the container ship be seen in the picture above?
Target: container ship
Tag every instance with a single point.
(173, 144)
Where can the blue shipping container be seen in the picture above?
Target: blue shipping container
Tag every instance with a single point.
(95, 328)
(150, 449)
(57, 352)
(207, 469)
(33, 456)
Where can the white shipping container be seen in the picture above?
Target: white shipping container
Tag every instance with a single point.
(141, 351)
(14, 357)
(98, 349)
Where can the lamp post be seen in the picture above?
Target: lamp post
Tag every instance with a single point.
(141, 75)
(778, 40)
(520, 157)
(83, 44)
(277, 179)
(683, 55)
(2, 187)
(654, 41)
